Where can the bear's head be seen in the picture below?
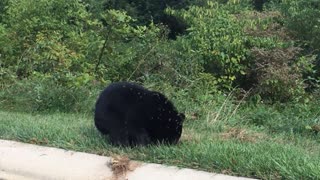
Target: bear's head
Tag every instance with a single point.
(169, 121)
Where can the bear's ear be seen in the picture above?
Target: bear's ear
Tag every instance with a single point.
(182, 116)
(155, 94)
(159, 96)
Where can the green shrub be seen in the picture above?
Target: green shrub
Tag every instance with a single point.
(277, 74)
(302, 19)
(52, 41)
(215, 43)
(278, 71)
(63, 41)
(128, 50)
(72, 44)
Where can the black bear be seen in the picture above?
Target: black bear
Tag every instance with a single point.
(132, 115)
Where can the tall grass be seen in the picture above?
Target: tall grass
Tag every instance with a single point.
(40, 96)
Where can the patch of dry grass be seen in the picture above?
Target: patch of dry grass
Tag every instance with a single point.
(242, 135)
(121, 165)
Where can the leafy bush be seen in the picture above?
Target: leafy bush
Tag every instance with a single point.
(52, 41)
(277, 75)
(62, 40)
(278, 71)
(126, 48)
(227, 46)
(147, 11)
(302, 19)
(215, 42)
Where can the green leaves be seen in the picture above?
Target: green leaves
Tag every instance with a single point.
(216, 38)
(52, 41)
(75, 43)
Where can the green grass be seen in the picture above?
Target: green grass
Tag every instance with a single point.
(220, 134)
(241, 150)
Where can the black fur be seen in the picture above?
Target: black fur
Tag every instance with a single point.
(132, 115)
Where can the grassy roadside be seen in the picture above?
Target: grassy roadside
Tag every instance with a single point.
(53, 67)
(242, 150)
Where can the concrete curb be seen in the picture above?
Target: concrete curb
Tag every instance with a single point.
(20, 161)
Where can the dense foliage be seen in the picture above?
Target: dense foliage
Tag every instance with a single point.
(274, 53)
(225, 44)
